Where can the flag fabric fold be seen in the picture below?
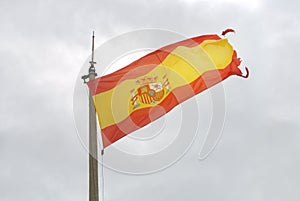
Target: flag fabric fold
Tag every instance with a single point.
(151, 86)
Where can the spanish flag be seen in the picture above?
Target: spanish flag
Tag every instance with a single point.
(151, 86)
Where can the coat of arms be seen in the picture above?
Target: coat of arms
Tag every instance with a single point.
(150, 90)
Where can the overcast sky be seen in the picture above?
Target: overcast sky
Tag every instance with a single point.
(43, 45)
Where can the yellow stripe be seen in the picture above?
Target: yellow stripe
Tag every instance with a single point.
(182, 66)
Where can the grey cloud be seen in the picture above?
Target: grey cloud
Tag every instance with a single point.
(45, 43)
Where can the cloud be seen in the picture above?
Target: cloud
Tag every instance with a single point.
(45, 43)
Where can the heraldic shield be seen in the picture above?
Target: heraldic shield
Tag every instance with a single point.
(149, 91)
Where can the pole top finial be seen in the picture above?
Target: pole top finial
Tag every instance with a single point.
(92, 70)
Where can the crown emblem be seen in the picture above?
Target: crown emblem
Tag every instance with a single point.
(146, 80)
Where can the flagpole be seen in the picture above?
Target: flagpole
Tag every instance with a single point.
(93, 150)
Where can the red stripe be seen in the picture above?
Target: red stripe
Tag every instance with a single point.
(143, 65)
(142, 117)
(227, 31)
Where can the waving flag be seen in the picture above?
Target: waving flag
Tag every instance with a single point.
(151, 86)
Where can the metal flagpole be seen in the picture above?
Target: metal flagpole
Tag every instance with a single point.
(93, 155)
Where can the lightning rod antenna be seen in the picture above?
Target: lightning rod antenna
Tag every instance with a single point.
(93, 39)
